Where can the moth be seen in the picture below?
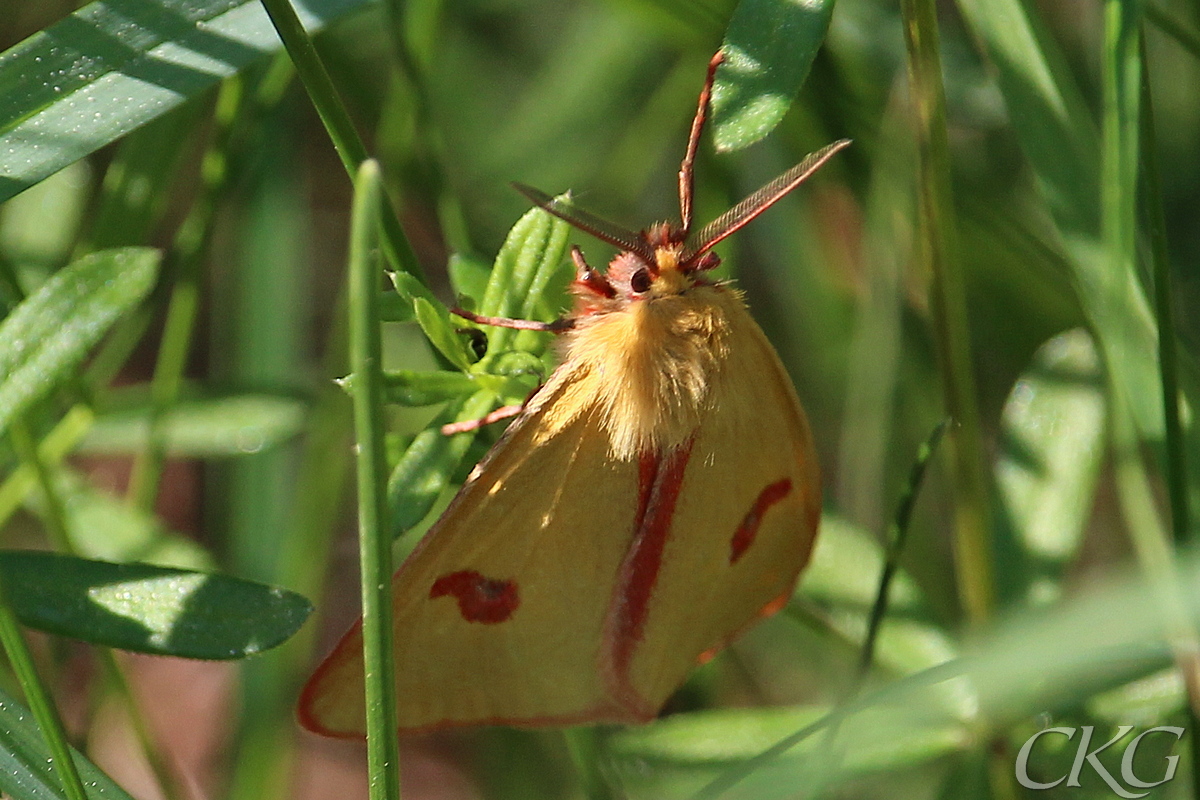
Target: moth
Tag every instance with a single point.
(655, 497)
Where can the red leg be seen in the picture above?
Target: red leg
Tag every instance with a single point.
(504, 412)
(558, 326)
(686, 181)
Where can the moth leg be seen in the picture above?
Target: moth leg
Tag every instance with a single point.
(503, 412)
(558, 326)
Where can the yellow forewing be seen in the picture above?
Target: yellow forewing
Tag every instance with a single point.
(555, 518)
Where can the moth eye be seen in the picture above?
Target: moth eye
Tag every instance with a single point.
(640, 282)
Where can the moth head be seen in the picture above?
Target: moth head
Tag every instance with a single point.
(667, 259)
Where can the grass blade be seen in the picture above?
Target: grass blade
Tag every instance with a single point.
(375, 546)
(938, 246)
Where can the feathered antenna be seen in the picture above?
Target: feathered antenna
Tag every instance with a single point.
(588, 222)
(737, 217)
(687, 181)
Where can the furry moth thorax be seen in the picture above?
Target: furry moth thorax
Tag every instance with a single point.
(648, 345)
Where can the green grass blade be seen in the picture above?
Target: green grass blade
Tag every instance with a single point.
(897, 538)
(49, 334)
(769, 47)
(115, 65)
(1164, 313)
(375, 546)
(938, 246)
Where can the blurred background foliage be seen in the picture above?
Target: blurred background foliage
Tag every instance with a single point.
(206, 427)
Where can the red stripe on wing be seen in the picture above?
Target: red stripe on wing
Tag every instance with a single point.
(659, 481)
(743, 537)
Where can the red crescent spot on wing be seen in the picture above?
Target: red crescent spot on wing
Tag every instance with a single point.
(480, 599)
(743, 537)
(659, 482)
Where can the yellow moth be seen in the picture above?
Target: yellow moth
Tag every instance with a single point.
(654, 498)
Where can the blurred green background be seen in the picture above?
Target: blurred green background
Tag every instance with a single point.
(220, 161)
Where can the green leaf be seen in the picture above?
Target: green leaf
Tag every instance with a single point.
(434, 318)
(235, 425)
(534, 248)
(425, 469)
(49, 333)
(1053, 433)
(115, 65)
(394, 308)
(27, 769)
(677, 756)
(149, 609)
(769, 47)
(435, 322)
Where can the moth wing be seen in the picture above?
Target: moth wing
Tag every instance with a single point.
(744, 523)
(499, 612)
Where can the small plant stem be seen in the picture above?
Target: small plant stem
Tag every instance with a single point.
(54, 516)
(938, 242)
(375, 545)
(22, 661)
(1176, 457)
(55, 520)
(53, 448)
(188, 251)
(897, 538)
(332, 111)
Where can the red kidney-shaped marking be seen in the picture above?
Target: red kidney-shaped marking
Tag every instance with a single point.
(480, 599)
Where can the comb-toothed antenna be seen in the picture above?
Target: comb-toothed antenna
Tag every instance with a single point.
(687, 182)
(589, 223)
(738, 216)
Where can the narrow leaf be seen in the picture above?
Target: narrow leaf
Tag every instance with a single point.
(234, 425)
(677, 756)
(102, 526)
(27, 769)
(435, 322)
(769, 47)
(533, 249)
(414, 388)
(149, 609)
(49, 333)
(114, 65)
